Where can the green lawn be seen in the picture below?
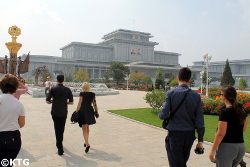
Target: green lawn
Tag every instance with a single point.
(147, 116)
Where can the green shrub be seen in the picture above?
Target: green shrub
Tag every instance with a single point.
(155, 99)
(213, 92)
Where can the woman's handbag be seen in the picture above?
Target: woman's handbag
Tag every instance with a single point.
(166, 121)
(96, 114)
(74, 117)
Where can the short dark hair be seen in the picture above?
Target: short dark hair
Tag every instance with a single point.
(9, 83)
(184, 74)
(60, 78)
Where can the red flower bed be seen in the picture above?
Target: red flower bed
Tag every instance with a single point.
(198, 91)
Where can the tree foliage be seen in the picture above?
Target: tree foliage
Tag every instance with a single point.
(147, 80)
(173, 83)
(107, 76)
(81, 76)
(242, 84)
(137, 77)
(69, 78)
(192, 83)
(227, 77)
(159, 79)
(171, 77)
(155, 99)
(118, 71)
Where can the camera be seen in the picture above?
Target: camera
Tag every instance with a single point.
(199, 150)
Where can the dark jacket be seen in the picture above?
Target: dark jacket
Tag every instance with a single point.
(189, 116)
(61, 95)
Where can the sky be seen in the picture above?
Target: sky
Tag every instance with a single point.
(191, 28)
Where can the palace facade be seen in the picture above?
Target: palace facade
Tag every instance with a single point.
(133, 48)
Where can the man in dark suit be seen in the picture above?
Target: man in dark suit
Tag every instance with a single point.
(60, 96)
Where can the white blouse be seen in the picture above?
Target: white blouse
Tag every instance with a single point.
(10, 110)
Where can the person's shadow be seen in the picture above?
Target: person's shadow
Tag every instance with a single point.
(73, 159)
(24, 154)
(101, 155)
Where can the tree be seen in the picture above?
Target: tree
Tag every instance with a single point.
(204, 77)
(81, 76)
(171, 77)
(69, 78)
(227, 78)
(118, 71)
(137, 77)
(159, 79)
(147, 80)
(192, 83)
(107, 76)
(173, 83)
(242, 84)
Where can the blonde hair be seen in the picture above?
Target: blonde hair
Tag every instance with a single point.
(85, 87)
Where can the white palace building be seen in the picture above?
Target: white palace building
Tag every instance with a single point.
(133, 48)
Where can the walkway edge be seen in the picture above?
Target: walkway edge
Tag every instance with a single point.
(155, 127)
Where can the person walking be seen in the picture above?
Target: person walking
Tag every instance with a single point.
(12, 118)
(47, 86)
(228, 148)
(86, 112)
(20, 90)
(60, 96)
(167, 87)
(181, 127)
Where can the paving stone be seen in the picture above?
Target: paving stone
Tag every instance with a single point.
(115, 141)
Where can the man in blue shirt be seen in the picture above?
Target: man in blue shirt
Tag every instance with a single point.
(181, 127)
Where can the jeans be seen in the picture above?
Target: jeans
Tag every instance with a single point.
(10, 145)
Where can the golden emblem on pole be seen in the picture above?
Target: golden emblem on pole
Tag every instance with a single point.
(14, 31)
(13, 46)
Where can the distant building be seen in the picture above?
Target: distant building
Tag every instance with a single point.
(239, 68)
(132, 48)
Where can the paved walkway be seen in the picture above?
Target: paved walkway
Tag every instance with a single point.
(115, 141)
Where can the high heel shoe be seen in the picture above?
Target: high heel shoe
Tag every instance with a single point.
(84, 145)
(87, 149)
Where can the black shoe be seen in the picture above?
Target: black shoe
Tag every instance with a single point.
(243, 164)
(84, 145)
(60, 151)
(87, 149)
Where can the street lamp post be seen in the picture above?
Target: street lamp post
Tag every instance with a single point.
(127, 80)
(207, 59)
(209, 81)
(201, 76)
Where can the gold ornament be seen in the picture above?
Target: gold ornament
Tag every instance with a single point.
(14, 31)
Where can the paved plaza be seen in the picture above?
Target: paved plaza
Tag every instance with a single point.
(115, 141)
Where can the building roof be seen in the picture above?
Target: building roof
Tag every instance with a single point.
(167, 53)
(126, 32)
(86, 44)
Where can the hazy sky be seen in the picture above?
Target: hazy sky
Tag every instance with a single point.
(189, 27)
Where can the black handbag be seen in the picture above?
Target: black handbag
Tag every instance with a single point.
(166, 121)
(96, 114)
(74, 117)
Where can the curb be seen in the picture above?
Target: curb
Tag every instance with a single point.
(155, 127)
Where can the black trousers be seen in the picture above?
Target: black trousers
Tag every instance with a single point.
(10, 144)
(178, 146)
(59, 125)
